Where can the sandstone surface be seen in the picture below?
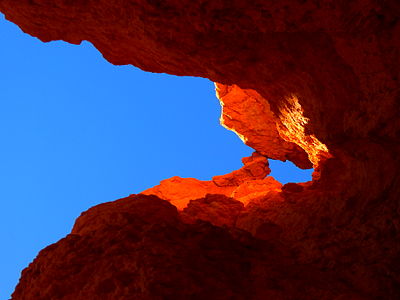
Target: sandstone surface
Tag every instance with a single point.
(313, 82)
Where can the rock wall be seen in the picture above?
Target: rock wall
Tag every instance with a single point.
(314, 82)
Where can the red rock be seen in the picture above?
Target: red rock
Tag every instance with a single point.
(219, 210)
(244, 185)
(180, 191)
(249, 115)
(255, 167)
(255, 190)
(314, 82)
(292, 187)
(137, 256)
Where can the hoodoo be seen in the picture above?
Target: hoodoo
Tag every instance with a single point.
(313, 82)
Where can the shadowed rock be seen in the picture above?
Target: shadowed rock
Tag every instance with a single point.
(314, 82)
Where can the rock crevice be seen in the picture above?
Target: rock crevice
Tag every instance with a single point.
(313, 82)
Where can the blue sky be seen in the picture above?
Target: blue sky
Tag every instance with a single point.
(76, 131)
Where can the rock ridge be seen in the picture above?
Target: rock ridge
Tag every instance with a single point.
(313, 82)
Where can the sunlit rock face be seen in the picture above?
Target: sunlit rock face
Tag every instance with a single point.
(314, 82)
(249, 115)
(245, 185)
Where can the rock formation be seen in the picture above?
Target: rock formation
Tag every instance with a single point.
(313, 82)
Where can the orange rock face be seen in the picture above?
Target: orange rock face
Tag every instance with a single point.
(248, 114)
(313, 82)
(246, 184)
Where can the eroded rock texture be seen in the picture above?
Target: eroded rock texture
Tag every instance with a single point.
(138, 248)
(314, 82)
